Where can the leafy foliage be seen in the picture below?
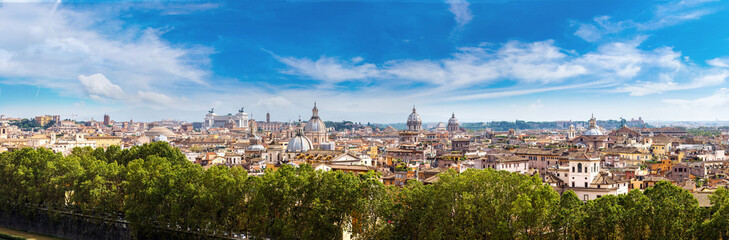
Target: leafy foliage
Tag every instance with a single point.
(154, 186)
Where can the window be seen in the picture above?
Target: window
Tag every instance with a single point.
(585, 185)
(579, 167)
(573, 184)
(573, 169)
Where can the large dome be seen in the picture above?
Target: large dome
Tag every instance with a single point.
(592, 132)
(299, 144)
(592, 129)
(256, 147)
(256, 144)
(453, 119)
(156, 131)
(414, 117)
(414, 123)
(315, 124)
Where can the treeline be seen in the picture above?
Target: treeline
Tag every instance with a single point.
(529, 125)
(30, 124)
(155, 186)
(704, 131)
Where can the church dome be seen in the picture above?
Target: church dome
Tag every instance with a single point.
(299, 143)
(453, 119)
(414, 123)
(256, 144)
(592, 132)
(440, 125)
(592, 129)
(315, 124)
(156, 131)
(414, 117)
(256, 147)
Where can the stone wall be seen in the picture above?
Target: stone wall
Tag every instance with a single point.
(64, 224)
(69, 225)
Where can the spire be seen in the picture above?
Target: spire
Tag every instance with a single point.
(453, 115)
(413, 108)
(315, 111)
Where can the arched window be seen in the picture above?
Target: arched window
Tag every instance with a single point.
(579, 167)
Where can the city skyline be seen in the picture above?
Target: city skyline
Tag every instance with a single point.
(366, 61)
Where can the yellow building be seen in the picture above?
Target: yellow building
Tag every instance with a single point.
(633, 154)
(373, 151)
(43, 120)
(105, 141)
(659, 149)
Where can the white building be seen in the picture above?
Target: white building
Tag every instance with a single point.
(239, 120)
(583, 175)
(65, 146)
(508, 163)
(717, 155)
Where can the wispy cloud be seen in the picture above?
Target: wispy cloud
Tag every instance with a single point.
(718, 99)
(461, 12)
(529, 62)
(716, 62)
(665, 15)
(500, 93)
(329, 69)
(526, 63)
(66, 44)
(600, 27)
(98, 87)
(669, 84)
(537, 105)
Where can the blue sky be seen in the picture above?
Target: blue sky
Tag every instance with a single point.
(368, 61)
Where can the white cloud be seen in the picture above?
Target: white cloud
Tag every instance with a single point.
(719, 99)
(537, 105)
(158, 100)
(461, 12)
(69, 43)
(668, 84)
(716, 62)
(531, 62)
(535, 62)
(98, 87)
(502, 93)
(665, 15)
(600, 27)
(274, 102)
(676, 12)
(329, 69)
